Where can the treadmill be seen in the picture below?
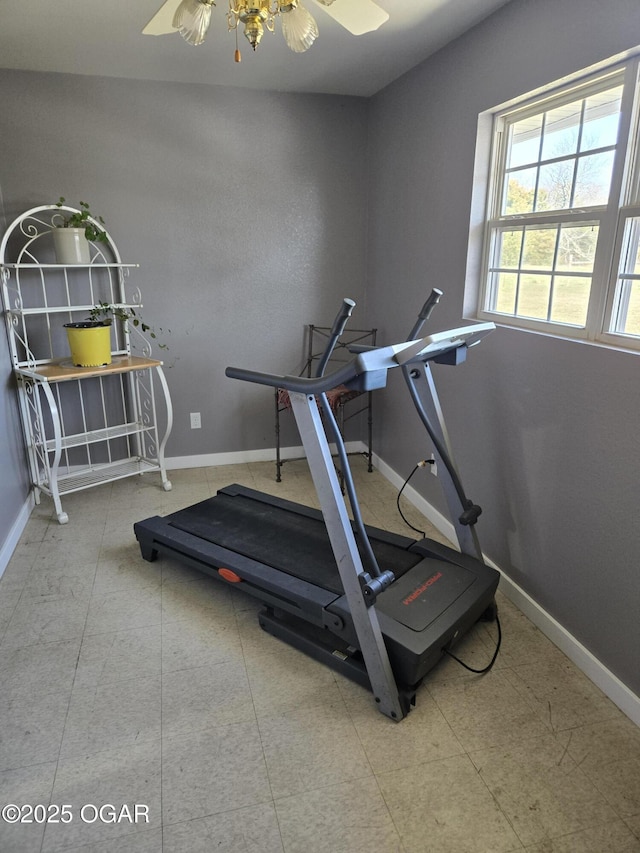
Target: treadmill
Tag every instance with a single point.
(378, 607)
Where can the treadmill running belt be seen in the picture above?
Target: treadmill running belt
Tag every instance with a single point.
(292, 543)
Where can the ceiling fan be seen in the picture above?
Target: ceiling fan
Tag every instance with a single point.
(191, 18)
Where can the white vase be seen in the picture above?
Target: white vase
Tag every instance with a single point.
(71, 246)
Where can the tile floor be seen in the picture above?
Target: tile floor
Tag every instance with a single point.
(126, 682)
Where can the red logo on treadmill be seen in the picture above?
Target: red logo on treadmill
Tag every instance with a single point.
(418, 592)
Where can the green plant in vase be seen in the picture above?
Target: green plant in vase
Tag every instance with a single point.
(105, 313)
(81, 219)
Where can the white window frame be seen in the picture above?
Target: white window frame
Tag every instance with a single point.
(607, 291)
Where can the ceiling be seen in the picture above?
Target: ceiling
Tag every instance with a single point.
(103, 37)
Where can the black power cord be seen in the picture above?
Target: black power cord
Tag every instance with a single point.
(493, 659)
(422, 464)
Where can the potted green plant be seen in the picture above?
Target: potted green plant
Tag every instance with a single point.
(90, 339)
(73, 231)
(106, 313)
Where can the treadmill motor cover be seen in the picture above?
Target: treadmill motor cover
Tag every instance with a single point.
(419, 597)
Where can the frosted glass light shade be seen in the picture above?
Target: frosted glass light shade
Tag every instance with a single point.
(192, 19)
(299, 28)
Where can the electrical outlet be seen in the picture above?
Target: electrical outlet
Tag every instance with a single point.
(433, 467)
(196, 422)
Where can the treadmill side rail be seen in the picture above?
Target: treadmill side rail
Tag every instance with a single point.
(347, 556)
(157, 535)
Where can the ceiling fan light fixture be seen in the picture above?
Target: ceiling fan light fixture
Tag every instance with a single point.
(254, 14)
(253, 30)
(298, 26)
(192, 19)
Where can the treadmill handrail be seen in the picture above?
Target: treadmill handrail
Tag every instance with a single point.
(335, 334)
(303, 384)
(368, 370)
(425, 313)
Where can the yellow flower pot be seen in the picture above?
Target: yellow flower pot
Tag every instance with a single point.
(90, 343)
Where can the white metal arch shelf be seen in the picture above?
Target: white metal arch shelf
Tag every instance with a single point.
(82, 425)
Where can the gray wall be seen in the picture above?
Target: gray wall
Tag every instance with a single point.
(14, 487)
(14, 480)
(545, 430)
(246, 212)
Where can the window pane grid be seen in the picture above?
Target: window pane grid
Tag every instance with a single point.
(553, 299)
(543, 273)
(626, 315)
(632, 189)
(562, 156)
(558, 176)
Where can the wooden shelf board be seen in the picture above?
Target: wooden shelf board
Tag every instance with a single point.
(63, 369)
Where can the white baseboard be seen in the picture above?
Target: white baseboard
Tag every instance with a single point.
(10, 543)
(594, 669)
(207, 460)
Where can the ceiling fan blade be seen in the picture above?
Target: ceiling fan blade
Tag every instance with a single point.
(162, 21)
(357, 16)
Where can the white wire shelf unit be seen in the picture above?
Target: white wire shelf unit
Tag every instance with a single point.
(83, 426)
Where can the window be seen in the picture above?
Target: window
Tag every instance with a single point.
(561, 250)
